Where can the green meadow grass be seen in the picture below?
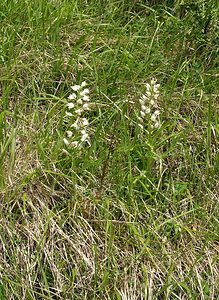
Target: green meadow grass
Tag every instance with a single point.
(134, 216)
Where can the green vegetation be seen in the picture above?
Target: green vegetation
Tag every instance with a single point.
(134, 215)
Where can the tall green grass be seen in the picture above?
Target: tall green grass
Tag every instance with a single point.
(133, 216)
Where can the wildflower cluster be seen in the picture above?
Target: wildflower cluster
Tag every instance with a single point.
(149, 109)
(78, 104)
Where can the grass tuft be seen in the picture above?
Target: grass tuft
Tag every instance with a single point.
(133, 212)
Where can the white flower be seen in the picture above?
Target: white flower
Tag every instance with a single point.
(75, 125)
(147, 110)
(148, 86)
(86, 98)
(68, 114)
(85, 122)
(75, 87)
(84, 137)
(140, 119)
(70, 105)
(79, 101)
(157, 125)
(86, 106)
(83, 84)
(141, 126)
(72, 96)
(152, 102)
(153, 117)
(69, 133)
(66, 141)
(153, 81)
(156, 96)
(74, 144)
(156, 87)
(157, 112)
(142, 114)
(79, 111)
(84, 92)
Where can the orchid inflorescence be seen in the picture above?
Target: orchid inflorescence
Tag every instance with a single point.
(149, 110)
(78, 104)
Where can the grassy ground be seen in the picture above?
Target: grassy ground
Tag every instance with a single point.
(135, 215)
